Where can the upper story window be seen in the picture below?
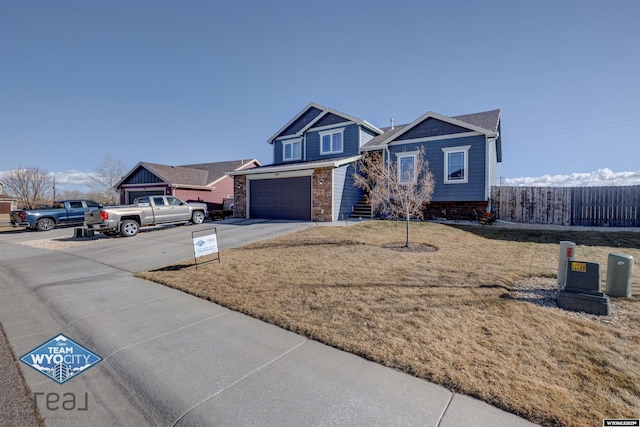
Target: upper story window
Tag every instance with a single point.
(407, 167)
(331, 141)
(292, 150)
(456, 165)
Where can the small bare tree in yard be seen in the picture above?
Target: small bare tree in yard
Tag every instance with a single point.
(396, 189)
(31, 186)
(105, 177)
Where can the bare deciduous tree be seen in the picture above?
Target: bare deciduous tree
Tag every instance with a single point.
(32, 186)
(105, 177)
(396, 193)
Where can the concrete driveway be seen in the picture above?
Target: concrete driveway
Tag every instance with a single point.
(173, 359)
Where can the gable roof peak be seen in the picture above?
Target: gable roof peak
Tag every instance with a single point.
(323, 112)
(486, 122)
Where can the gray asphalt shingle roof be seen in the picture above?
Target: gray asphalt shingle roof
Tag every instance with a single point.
(200, 174)
(488, 120)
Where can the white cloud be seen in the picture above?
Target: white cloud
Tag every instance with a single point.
(72, 177)
(67, 179)
(601, 177)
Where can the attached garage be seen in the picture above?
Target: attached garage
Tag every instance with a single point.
(320, 191)
(280, 198)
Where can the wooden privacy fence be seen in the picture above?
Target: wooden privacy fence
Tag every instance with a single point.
(596, 206)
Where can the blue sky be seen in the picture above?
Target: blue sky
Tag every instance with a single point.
(179, 82)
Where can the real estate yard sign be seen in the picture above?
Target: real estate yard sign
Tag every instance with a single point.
(205, 244)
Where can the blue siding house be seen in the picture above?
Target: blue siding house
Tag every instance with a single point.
(316, 152)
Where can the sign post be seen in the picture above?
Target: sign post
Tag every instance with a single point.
(205, 242)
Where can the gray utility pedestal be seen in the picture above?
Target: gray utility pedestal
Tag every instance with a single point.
(582, 290)
(619, 275)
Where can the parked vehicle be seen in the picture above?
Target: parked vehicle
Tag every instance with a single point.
(145, 211)
(225, 212)
(66, 212)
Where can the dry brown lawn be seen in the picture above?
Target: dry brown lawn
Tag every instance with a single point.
(446, 316)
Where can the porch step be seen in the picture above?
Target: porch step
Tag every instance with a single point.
(361, 209)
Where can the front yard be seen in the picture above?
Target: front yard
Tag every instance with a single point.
(457, 317)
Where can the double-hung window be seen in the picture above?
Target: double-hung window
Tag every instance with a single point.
(292, 150)
(407, 167)
(456, 164)
(331, 141)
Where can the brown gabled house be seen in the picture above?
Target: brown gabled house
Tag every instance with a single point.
(204, 182)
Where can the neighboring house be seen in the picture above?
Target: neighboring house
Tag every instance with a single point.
(315, 156)
(205, 182)
(7, 203)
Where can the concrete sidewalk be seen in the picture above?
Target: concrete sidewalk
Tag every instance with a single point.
(173, 359)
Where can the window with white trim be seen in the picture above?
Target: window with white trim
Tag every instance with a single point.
(331, 141)
(407, 167)
(292, 150)
(456, 165)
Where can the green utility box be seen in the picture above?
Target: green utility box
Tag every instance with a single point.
(582, 291)
(619, 275)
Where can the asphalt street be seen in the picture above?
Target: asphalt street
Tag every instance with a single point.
(172, 359)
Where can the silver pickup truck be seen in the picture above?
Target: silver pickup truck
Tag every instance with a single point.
(150, 210)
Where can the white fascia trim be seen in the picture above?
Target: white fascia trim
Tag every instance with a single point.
(465, 150)
(297, 167)
(250, 162)
(487, 155)
(325, 111)
(437, 116)
(194, 187)
(284, 174)
(372, 127)
(333, 192)
(245, 166)
(296, 117)
(435, 138)
(149, 186)
(336, 126)
(312, 122)
(124, 178)
(373, 148)
(349, 118)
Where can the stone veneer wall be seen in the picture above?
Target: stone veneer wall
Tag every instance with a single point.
(240, 196)
(454, 210)
(322, 195)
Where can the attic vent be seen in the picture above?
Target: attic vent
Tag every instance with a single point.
(391, 120)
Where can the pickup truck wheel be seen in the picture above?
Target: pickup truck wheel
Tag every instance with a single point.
(197, 217)
(45, 224)
(129, 228)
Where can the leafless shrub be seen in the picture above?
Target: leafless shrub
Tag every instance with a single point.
(396, 193)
